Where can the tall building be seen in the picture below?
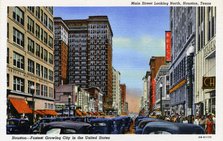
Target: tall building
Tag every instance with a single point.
(155, 63)
(146, 90)
(182, 26)
(30, 59)
(60, 52)
(205, 60)
(162, 90)
(116, 91)
(123, 96)
(90, 54)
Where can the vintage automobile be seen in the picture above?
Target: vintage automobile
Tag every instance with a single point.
(127, 122)
(35, 129)
(137, 119)
(18, 126)
(172, 128)
(143, 122)
(103, 126)
(119, 125)
(66, 127)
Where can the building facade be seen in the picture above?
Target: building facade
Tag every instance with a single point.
(162, 90)
(123, 96)
(116, 91)
(30, 58)
(155, 63)
(205, 59)
(90, 54)
(182, 25)
(60, 52)
(146, 91)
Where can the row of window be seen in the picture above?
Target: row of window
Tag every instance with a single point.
(40, 52)
(18, 61)
(40, 90)
(178, 73)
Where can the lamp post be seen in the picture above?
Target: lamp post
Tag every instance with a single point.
(69, 98)
(161, 101)
(190, 55)
(32, 88)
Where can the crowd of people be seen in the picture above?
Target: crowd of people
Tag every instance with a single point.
(206, 121)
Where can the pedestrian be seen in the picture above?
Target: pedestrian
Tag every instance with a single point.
(202, 121)
(209, 124)
(196, 121)
(185, 120)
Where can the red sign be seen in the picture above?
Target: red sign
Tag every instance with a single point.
(153, 92)
(168, 45)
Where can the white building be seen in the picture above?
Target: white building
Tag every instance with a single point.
(116, 91)
(146, 91)
(205, 59)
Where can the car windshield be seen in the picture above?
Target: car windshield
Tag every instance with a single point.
(12, 122)
(54, 131)
(142, 125)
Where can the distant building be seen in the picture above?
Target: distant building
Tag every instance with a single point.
(123, 96)
(155, 63)
(116, 94)
(162, 85)
(146, 91)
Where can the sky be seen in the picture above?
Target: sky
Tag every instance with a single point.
(138, 34)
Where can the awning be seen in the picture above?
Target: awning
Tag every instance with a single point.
(177, 86)
(20, 105)
(78, 112)
(47, 112)
(39, 112)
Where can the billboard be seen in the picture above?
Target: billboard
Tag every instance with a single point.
(168, 45)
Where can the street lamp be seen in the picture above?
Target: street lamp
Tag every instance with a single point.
(190, 55)
(32, 88)
(69, 98)
(161, 101)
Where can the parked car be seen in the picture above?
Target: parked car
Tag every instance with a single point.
(143, 122)
(66, 127)
(127, 123)
(172, 128)
(137, 119)
(41, 123)
(103, 126)
(119, 125)
(18, 126)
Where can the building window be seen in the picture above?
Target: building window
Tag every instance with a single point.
(50, 41)
(45, 37)
(51, 92)
(31, 66)
(37, 69)
(18, 60)
(18, 84)
(45, 19)
(38, 12)
(30, 83)
(7, 30)
(50, 58)
(41, 71)
(45, 91)
(51, 10)
(31, 8)
(38, 50)
(30, 25)
(7, 80)
(18, 15)
(7, 55)
(37, 89)
(50, 24)
(41, 13)
(45, 55)
(30, 45)
(45, 73)
(45, 105)
(18, 37)
(41, 34)
(41, 53)
(51, 75)
(42, 90)
(37, 31)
